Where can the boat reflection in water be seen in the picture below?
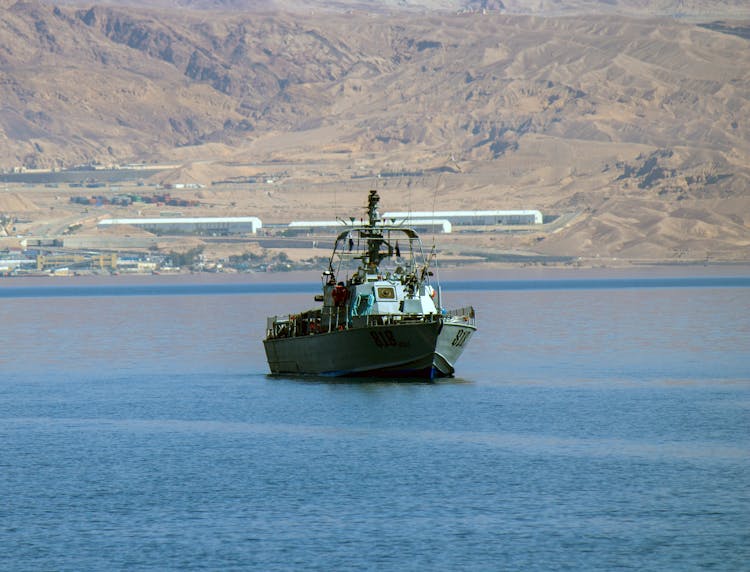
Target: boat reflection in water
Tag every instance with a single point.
(379, 314)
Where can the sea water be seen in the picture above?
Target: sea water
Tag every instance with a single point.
(592, 425)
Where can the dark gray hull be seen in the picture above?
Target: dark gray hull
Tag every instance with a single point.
(415, 350)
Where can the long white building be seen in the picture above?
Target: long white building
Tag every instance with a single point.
(198, 225)
(473, 218)
(421, 224)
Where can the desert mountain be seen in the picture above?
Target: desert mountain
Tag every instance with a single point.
(685, 9)
(639, 123)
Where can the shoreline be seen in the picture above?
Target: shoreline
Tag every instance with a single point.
(313, 277)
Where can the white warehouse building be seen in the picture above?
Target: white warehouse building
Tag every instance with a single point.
(192, 225)
(473, 218)
(421, 225)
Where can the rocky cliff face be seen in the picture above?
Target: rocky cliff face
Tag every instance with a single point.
(114, 82)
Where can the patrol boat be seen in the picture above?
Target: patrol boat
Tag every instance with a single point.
(379, 316)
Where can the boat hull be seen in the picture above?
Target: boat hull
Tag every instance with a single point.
(413, 350)
(450, 345)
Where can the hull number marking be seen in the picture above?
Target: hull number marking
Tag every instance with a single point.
(460, 338)
(384, 339)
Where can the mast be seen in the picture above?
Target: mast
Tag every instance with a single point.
(372, 234)
(373, 200)
(375, 244)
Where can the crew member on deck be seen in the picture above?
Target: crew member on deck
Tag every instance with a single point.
(339, 294)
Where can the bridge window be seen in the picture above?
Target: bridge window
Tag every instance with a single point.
(386, 293)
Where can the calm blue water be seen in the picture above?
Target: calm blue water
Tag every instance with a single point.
(593, 426)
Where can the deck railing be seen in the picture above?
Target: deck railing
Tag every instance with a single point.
(323, 322)
(466, 314)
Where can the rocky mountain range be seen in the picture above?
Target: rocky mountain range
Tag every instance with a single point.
(641, 122)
